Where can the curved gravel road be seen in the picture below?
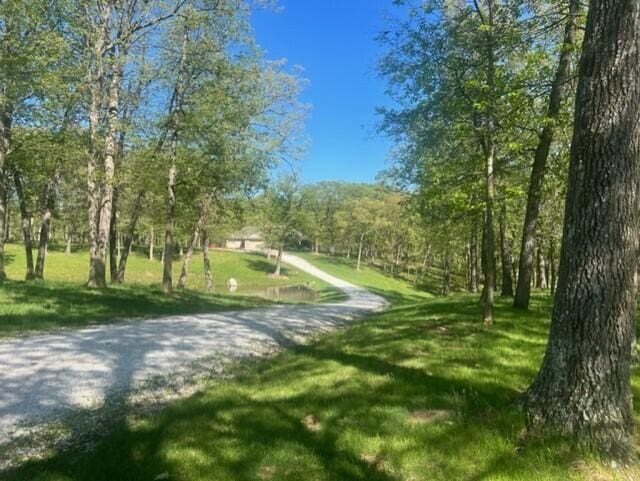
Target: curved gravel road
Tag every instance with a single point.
(45, 376)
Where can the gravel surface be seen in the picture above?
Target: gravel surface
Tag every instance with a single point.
(47, 377)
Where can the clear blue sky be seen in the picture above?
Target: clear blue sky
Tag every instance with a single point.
(334, 40)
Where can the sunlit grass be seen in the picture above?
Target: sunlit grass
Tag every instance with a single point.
(63, 301)
(418, 393)
(396, 289)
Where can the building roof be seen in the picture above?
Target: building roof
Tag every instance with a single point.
(247, 233)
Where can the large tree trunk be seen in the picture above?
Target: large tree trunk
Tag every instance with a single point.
(583, 386)
(558, 87)
(45, 222)
(97, 278)
(26, 223)
(95, 80)
(128, 236)
(505, 255)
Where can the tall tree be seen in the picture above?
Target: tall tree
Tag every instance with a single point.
(31, 46)
(282, 215)
(110, 30)
(583, 386)
(559, 86)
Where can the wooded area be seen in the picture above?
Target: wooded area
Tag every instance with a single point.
(128, 124)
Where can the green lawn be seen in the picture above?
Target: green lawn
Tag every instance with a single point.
(394, 289)
(63, 301)
(417, 393)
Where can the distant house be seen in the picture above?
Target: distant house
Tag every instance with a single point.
(248, 239)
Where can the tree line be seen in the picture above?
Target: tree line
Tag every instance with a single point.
(504, 112)
(118, 116)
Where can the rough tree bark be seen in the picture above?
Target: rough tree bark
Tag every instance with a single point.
(95, 80)
(583, 386)
(558, 87)
(505, 255)
(97, 270)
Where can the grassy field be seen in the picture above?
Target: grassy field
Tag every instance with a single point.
(417, 393)
(396, 290)
(62, 301)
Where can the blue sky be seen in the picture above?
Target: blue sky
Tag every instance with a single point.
(334, 40)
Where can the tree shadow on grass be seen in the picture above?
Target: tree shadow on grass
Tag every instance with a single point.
(341, 409)
(40, 306)
(9, 258)
(263, 265)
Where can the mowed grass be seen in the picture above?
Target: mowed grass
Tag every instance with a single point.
(63, 301)
(418, 393)
(395, 289)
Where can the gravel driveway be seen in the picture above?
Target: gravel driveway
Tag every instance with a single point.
(45, 376)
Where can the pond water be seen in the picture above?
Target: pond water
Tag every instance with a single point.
(298, 292)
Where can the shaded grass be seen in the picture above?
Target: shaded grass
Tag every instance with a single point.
(350, 406)
(63, 301)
